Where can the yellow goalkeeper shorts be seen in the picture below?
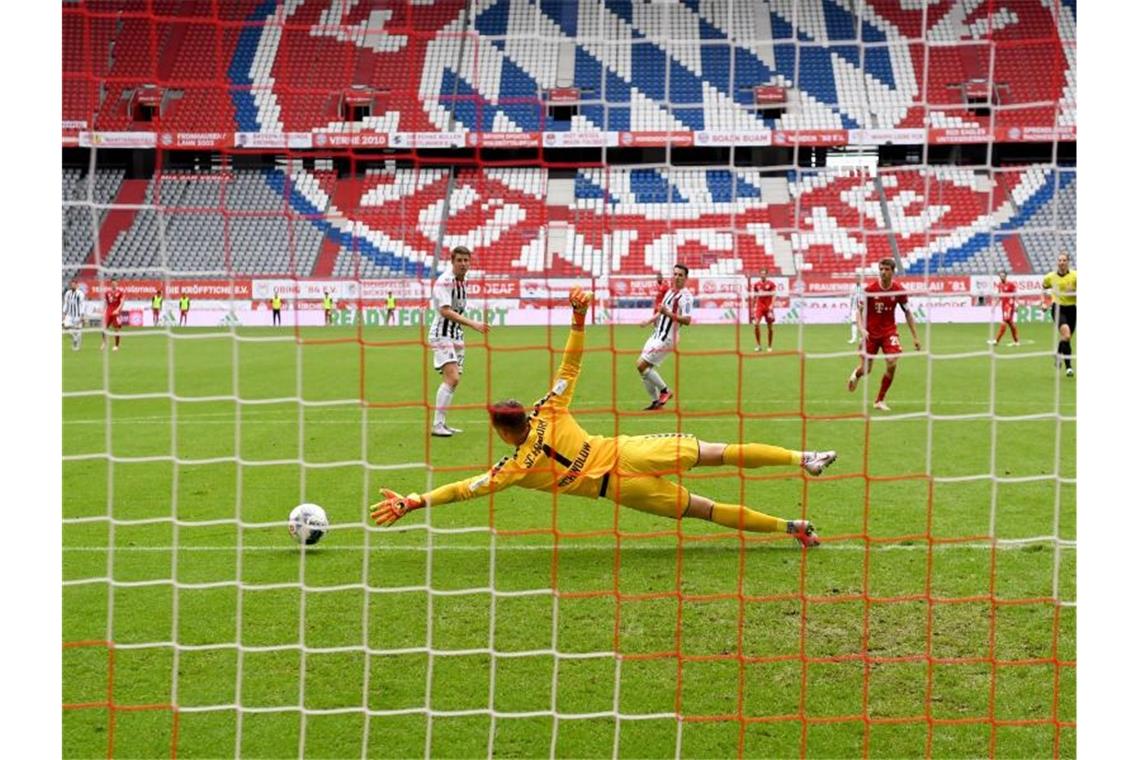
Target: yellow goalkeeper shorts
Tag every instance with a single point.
(639, 481)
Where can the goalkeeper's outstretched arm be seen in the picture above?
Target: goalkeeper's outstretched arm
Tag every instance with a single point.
(394, 506)
(571, 365)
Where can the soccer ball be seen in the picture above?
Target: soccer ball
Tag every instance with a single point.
(307, 523)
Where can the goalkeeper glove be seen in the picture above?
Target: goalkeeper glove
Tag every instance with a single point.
(580, 302)
(394, 506)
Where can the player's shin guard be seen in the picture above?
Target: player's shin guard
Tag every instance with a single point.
(442, 401)
(884, 386)
(759, 455)
(1013, 331)
(743, 518)
(1065, 349)
(1001, 332)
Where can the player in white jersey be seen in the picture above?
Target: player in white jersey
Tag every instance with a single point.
(853, 317)
(675, 310)
(449, 299)
(74, 303)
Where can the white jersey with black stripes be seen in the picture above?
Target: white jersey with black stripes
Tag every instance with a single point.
(447, 291)
(665, 328)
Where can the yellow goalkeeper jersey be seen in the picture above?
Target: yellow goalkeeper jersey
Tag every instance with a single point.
(558, 455)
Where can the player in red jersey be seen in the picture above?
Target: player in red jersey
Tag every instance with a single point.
(1006, 290)
(762, 307)
(112, 308)
(877, 324)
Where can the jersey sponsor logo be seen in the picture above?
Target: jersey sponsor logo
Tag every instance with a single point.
(575, 466)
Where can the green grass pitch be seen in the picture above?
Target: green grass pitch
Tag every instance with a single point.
(586, 629)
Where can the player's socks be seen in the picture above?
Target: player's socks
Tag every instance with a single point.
(653, 383)
(1013, 331)
(650, 388)
(759, 455)
(884, 386)
(117, 339)
(1065, 348)
(1001, 332)
(442, 401)
(737, 516)
(769, 337)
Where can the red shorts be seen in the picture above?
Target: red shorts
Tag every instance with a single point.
(183, 312)
(768, 315)
(1007, 314)
(889, 343)
(111, 320)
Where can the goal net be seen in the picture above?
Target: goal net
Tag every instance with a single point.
(271, 189)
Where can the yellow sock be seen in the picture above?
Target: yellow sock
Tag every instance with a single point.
(759, 455)
(737, 516)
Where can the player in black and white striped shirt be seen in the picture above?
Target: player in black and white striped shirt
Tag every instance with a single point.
(449, 298)
(675, 310)
(74, 303)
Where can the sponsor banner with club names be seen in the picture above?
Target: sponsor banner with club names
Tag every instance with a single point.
(591, 139)
(354, 139)
(196, 140)
(654, 139)
(813, 137)
(75, 132)
(196, 289)
(717, 137)
(291, 140)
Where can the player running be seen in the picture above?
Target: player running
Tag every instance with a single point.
(877, 325)
(112, 309)
(762, 307)
(449, 296)
(1005, 291)
(675, 310)
(553, 453)
(1063, 282)
(74, 302)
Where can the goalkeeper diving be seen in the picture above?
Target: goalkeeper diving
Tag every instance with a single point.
(553, 453)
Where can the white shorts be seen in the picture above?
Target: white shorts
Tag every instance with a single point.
(72, 323)
(447, 352)
(655, 351)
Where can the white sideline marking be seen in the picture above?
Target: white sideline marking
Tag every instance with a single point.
(355, 416)
(1004, 544)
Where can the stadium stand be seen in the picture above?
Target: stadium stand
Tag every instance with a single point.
(685, 65)
(300, 221)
